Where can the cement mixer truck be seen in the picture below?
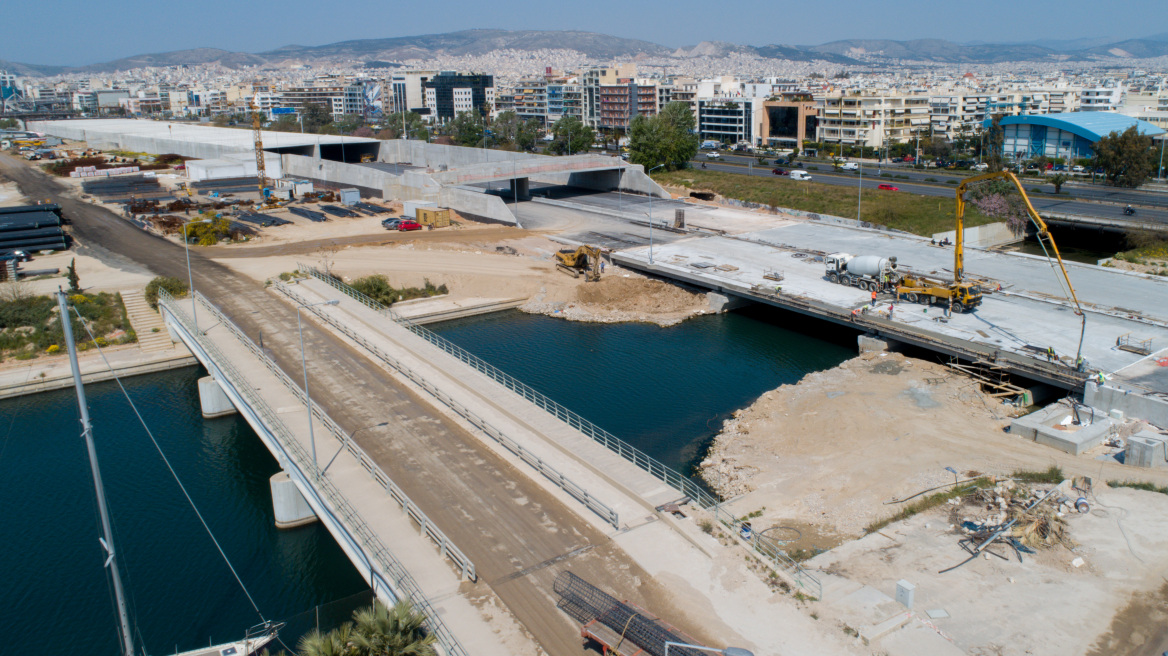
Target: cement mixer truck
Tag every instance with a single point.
(868, 272)
(880, 274)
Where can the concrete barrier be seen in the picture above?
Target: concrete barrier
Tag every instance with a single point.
(983, 236)
(1130, 403)
(479, 206)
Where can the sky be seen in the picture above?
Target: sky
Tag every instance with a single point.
(80, 32)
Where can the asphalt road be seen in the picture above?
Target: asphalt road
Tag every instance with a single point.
(1063, 204)
(509, 526)
(1079, 188)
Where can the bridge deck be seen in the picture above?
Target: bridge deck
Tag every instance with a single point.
(1028, 313)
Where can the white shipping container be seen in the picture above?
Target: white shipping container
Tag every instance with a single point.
(410, 207)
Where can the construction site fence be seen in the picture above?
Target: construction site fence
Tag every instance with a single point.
(608, 514)
(683, 484)
(370, 542)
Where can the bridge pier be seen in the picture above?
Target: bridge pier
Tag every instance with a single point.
(291, 508)
(213, 400)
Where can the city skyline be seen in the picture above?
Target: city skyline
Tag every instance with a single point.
(84, 33)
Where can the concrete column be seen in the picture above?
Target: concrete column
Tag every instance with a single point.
(291, 508)
(720, 303)
(524, 188)
(213, 400)
(872, 344)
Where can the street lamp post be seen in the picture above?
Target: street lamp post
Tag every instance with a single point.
(651, 217)
(304, 368)
(860, 201)
(190, 278)
(728, 651)
(1162, 138)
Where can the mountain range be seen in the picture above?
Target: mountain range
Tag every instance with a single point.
(602, 47)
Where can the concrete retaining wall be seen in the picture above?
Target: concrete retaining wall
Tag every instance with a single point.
(110, 140)
(984, 236)
(338, 173)
(476, 205)
(421, 153)
(1131, 404)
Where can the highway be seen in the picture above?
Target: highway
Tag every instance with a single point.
(1079, 187)
(1064, 204)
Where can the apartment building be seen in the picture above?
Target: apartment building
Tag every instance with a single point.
(339, 100)
(530, 100)
(620, 103)
(1101, 99)
(449, 93)
(595, 78)
(872, 120)
(564, 99)
(408, 94)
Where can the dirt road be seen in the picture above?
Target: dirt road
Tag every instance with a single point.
(519, 536)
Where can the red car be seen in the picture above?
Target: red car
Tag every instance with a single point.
(887, 187)
(779, 172)
(409, 225)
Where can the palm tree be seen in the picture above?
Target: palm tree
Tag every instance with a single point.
(338, 642)
(396, 631)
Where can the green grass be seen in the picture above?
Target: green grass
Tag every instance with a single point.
(921, 215)
(378, 288)
(1149, 487)
(1053, 474)
(30, 324)
(928, 503)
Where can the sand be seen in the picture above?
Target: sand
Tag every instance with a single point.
(829, 453)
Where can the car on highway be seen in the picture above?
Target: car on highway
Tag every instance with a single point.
(982, 166)
(887, 187)
(849, 166)
(779, 171)
(800, 175)
(1078, 169)
(714, 155)
(409, 224)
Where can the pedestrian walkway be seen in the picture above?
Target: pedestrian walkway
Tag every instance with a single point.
(146, 321)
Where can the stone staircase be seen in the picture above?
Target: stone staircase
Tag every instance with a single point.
(144, 320)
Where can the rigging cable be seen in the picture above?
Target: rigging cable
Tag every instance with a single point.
(169, 467)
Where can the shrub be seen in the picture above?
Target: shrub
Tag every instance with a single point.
(173, 286)
(930, 179)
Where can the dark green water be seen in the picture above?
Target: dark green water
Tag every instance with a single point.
(664, 390)
(55, 596)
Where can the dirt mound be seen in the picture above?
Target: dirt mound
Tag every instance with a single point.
(618, 294)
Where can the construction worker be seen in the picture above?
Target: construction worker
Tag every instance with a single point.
(1100, 378)
(873, 297)
(1050, 356)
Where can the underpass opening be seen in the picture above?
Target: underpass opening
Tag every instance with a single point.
(350, 153)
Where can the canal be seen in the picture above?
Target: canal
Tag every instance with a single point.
(664, 390)
(56, 597)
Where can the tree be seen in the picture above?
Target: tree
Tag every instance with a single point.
(467, 129)
(338, 642)
(995, 141)
(1058, 179)
(1127, 158)
(666, 139)
(8, 124)
(570, 135)
(505, 129)
(397, 631)
(414, 126)
(286, 123)
(316, 117)
(74, 279)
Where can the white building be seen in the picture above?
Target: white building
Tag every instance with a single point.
(872, 120)
(1101, 99)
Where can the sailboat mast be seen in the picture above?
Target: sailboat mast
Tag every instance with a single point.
(107, 542)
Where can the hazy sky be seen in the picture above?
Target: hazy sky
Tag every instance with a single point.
(78, 32)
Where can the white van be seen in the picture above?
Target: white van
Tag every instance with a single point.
(849, 166)
(799, 175)
(710, 145)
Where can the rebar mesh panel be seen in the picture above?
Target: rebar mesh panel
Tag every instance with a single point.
(586, 603)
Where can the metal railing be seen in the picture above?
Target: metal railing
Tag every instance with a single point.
(577, 492)
(658, 470)
(370, 543)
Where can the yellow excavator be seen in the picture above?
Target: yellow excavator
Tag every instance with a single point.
(585, 259)
(1044, 239)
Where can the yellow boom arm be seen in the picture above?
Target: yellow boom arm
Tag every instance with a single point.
(1044, 236)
